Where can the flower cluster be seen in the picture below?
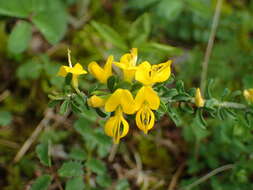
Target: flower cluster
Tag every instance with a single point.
(121, 101)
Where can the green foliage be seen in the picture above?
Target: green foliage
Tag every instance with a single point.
(5, 118)
(204, 138)
(71, 169)
(43, 152)
(42, 183)
(20, 37)
(75, 183)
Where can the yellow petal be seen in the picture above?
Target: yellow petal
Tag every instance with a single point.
(96, 101)
(101, 74)
(108, 66)
(129, 73)
(78, 69)
(63, 71)
(152, 98)
(199, 101)
(146, 95)
(74, 80)
(145, 119)
(161, 72)
(248, 95)
(97, 72)
(143, 73)
(127, 102)
(116, 127)
(113, 101)
(120, 98)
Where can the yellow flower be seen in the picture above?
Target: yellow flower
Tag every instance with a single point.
(75, 71)
(199, 101)
(120, 98)
(128, 64)
(116, 126)
(121, 101)
(101, 74)
(96, 101)
(248, 95)
(146, 100)
(149, 75)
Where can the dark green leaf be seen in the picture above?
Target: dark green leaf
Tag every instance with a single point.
(111, 83)
(100, 113)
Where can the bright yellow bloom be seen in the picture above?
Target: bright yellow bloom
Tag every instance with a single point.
(75, 71)
(120, 98)
(199, 101)
(146, 100)
(102, 74)
(96, 101)
(128, 64)
(116, 126)
(149, 75)
(121, 101)
(248, 95)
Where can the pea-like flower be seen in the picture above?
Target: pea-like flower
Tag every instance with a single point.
(75, 71)
(96, 101)
(199, 101)
(101, 74)
(149, 75)
(121, 101)
(248, 95)
(128, 64)
(146, 100)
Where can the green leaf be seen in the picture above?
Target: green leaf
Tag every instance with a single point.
(169, 9)
(53, 103)
(209, 88)
(71, 169)
(20, 37)
(122, 185)
(29, 70)
(51, 20)
(42, 183)
(15, 8)
(75, 184)
(199, 119)
(5, 118)
(172, 112)
(110, 35)
(111, 83)
(43, 152)
(100, 112)
(140, 30)
(96, 166)
(64, 107)
(104, 180)
(78, 154)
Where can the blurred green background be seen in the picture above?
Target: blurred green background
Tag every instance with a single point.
(34, 37)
